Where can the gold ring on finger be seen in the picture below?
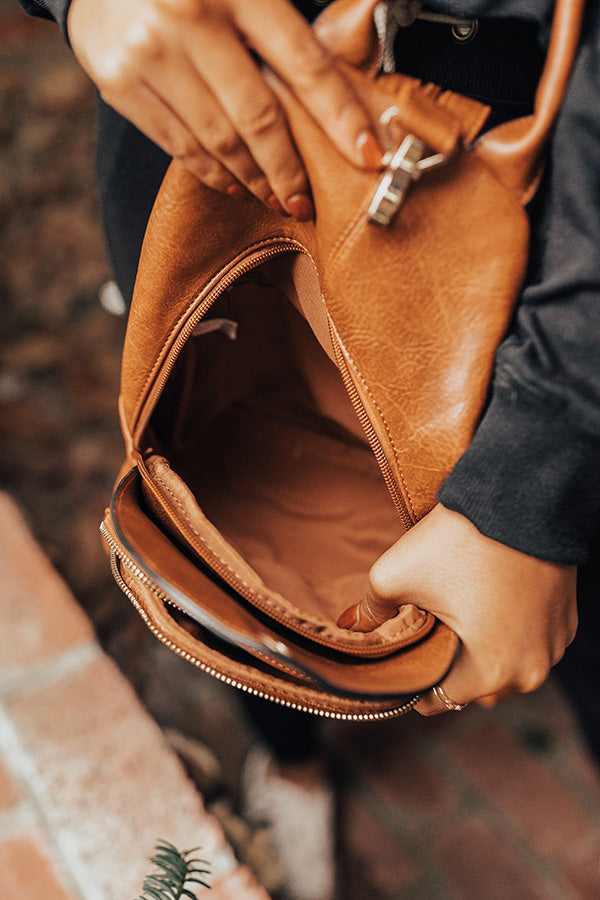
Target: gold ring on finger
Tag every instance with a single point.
(441, 695)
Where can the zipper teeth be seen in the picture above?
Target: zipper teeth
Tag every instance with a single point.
(245, 265)
(369, 430)
(117, 553)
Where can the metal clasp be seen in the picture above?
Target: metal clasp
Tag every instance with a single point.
(405, 164)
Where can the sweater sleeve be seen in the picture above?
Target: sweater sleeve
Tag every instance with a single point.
(531, 476)
(56, 10)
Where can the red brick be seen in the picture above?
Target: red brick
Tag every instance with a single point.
(9, 793)
(548, 817)
(40, 619)
(26, 872)
(477, 864)
(386, 756)
(373, 862)
(113, 786)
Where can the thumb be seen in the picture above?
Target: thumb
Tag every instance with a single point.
(389, 584)
(370, 612)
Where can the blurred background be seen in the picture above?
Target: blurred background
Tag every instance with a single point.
(59, 351)
(503, 805)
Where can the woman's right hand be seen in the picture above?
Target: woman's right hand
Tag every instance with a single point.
(185, 73)
(514, 614)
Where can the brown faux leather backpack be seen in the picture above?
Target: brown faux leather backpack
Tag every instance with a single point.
(294, 394)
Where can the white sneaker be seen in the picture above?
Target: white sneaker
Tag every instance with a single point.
(300, 815)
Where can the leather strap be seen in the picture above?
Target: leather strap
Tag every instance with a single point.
(514, 149)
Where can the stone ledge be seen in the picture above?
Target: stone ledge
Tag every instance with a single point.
(87, 780)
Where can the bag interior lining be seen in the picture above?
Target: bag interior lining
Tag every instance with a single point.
(265, 437)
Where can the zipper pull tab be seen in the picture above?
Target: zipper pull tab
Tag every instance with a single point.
(405, 164)
(227, 326)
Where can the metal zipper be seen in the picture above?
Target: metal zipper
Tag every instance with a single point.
(256, 256)
(117, 553)
(371, 434)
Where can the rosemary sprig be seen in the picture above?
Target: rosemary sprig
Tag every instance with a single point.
(177, 872)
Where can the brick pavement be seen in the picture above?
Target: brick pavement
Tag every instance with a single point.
(87, 782)
(502, 805)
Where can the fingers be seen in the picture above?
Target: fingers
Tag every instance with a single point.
(240, 91)
(438, 701)
(211, 131)
(390, 580)
(292, 50)
(183, 72)
(485, 680)
(491, 700)
(161, 124)
(514, 614)
(368, 613)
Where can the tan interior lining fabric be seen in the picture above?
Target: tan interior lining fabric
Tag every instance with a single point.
(268, 443)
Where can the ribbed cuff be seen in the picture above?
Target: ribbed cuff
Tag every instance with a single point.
(531, 477)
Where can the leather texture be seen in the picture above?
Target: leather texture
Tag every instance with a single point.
(410, 313)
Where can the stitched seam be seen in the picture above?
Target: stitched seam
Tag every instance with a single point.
(206, 544)
(385, 425)
(272, 604)
(277, 665)
(344, 236)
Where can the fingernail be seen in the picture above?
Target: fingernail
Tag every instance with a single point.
(369, 151)
(239, 192)
(349, 618)
(301, 207)
(277, 206)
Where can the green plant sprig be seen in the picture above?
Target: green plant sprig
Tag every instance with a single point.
(178, 871)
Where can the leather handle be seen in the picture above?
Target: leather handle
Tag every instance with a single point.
(514, 149)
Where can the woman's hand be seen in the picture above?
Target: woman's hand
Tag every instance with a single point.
(514, 614)
(184, 72)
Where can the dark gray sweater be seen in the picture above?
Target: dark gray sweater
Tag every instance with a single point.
(531, 477)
